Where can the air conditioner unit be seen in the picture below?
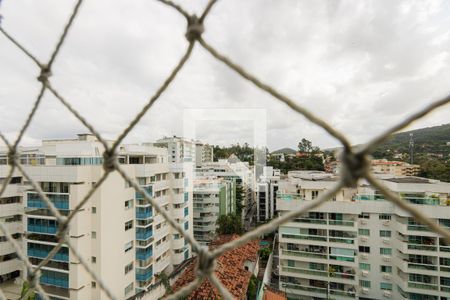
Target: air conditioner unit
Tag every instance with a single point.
(386, 241)
(387, 276)
(363, 222)
(364, 291)
(364, 239)
(364, 256)
(386, 258)
(364, 273)
(387, 294)
(386, 223)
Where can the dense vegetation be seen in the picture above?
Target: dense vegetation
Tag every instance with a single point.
(229, 224)
(430, 150)
(244, 152)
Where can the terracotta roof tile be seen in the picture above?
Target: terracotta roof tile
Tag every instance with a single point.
(229, 270)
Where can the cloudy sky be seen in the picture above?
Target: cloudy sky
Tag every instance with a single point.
(360, 65)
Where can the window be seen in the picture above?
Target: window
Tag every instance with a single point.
(129, 288)
(384, 216)
(364, 283)
(291, 263)
(364, 216)
(386, 286)
(94, 259)
(385, 233)
(129, 268)
(364, 266)
(93, 284)
(94, 234)
(94, 210)
(386, 269)
(128, 246)
(364, 232)
(364, 249)
(385, 251)
(314, 194)
(128, 204)
(128, 225)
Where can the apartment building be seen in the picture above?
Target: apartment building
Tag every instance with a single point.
(11, 214)
(234, 170)
(123, 238)
(204, 153)
(359, 245)
(180, 149)
(397, 168)
(212, 197)
(266, 190)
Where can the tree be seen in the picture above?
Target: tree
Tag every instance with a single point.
(239, 198)
(229, 224)
(25, 288)
(305, 145)
(252, 288)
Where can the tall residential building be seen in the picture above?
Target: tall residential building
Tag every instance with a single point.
(204, 153)
(266, 190)
(11, 214)
(232, 169)
(213, 197)
(124, 239)
(180, 149)
(359, 245)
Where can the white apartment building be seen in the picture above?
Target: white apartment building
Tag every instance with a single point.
(123, 238)
(232, 169)
(204, 153)
(359, 245)
(212, 197)
(266, 190)
(180, 149)
(11, 214)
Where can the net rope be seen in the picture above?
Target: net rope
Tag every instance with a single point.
(355, 162)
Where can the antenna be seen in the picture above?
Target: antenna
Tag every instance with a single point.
(411, 148)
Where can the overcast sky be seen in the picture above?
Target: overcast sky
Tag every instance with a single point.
(360, 65)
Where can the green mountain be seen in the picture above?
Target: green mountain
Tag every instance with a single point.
(429, 140)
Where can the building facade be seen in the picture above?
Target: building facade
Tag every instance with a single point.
(124, 239)
(358, 245)
(212, 197)
(266, 190)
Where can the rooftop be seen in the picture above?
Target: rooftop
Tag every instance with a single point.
(229, 270)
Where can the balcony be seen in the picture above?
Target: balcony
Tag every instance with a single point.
(144, 235)
(45, 229)
(59, 200)
(310, 221)
(43, 251)
(427, 267)
(144, 213)
(144, 254)
(144, 275)
(305, 271)
(148, 191)
(54, 278)
(304, 254)
(422, 247)
(305, 237)
(423, 286)
(341, 223)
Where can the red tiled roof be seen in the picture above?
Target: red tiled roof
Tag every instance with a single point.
(229, 270)
(270, 294)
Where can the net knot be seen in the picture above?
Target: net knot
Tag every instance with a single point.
(13, 156)
(194, 29)
(45, 74)
(354, 166)
(109, 161)
(206, 262)
(33, 278)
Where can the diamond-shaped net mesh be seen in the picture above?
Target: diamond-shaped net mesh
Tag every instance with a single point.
(355, 164)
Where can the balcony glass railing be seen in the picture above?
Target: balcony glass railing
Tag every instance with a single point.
(342, 258)
(148, 191)
(310, 221)
(413, 200)
(144, 275)
(62, 255)
(144, 213)
(341, 240)
(143, 255)
(305, 237)
(341, 223)
(422, 267)
(305, 271)
(422, 247)
(423, 286)
(48, 229)
(60, 201)
(418, 228)
(54, 278)
(304, 254)
(144, 235)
